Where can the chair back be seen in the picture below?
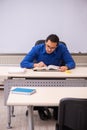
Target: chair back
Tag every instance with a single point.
(43, 41)
(72, 114)
(39, 42)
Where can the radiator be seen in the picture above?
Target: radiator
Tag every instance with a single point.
(9, 60)
(80, 59)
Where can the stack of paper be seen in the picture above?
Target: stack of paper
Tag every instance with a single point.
(16, 70)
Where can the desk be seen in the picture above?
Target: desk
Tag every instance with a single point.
(78, 72)
(44, 97)
(76, 77)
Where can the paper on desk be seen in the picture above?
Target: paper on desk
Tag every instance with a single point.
(16, 70)
(68, 71)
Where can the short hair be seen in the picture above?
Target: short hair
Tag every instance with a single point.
(53, 38)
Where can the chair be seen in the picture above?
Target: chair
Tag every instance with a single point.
(43, 41)
(39, 42)
(72, 114)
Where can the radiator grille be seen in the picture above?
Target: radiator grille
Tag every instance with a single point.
(10, 59)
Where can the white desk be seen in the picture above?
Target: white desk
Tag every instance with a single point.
(78, 72)
(49, 96)
(76, 77)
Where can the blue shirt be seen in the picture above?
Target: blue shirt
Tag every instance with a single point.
(38, 54)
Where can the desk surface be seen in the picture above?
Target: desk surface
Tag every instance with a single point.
(48, 96)
(79, 72)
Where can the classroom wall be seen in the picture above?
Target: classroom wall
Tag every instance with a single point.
(22, 22)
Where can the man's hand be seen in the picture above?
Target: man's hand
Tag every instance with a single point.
(40, 64)
(63, 68)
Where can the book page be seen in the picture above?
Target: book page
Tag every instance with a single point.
(53, 67)
(46, 68)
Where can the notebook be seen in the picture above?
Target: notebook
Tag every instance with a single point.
(23, 90)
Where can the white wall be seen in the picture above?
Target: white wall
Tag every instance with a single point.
(22, 22)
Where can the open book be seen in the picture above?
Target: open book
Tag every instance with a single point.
(23, 90)
(46, 68)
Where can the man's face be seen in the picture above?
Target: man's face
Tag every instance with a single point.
(50, 46)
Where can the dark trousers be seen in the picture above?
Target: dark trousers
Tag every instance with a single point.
(45, 113)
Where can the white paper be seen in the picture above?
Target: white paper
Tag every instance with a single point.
(16, 70)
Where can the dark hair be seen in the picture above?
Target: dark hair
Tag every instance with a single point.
(53, 38)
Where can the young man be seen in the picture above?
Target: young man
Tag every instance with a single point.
(50, 52)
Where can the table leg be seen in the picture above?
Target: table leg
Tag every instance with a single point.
(12, 112)
(30, 118)
(9, 117)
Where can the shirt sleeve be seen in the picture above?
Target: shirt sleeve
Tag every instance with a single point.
(68, 60)
(28, 61)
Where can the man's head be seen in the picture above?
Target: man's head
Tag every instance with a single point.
(51, 42)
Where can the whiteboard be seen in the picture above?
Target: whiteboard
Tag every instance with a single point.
(23, 22)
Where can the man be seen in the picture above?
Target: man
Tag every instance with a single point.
(52, 52)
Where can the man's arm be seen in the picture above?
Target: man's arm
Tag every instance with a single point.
(68, 60)
(28, 61)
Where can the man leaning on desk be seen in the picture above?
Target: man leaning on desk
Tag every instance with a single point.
(50, 52)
